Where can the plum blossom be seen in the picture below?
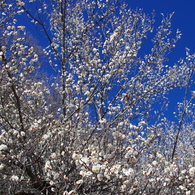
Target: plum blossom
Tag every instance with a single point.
(96, 168)
(2, 166)
(100, 177)
(188, 192)
(76, 156)
(21, 28)
(3, 147)
(192, 171)
(48, 165)
(14, 178)
(115, 168)
(20, 3)
(128, 172)
(93, 125)
(79, 182)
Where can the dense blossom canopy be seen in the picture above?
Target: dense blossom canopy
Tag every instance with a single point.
(96, 124)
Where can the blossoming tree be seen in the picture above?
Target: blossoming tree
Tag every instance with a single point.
(91, 128)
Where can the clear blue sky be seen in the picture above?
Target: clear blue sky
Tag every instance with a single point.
(184, 20)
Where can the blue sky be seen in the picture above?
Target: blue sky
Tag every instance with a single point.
(184, 20)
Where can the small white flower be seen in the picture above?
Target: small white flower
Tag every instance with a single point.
(20, 3)
(53, 155)
(107, 176)
(96, 168)
(87, 93)
(159, 155)
(88, 173)
(150, 171)
(95, 50)
(1, 53)
(23, 133)
(48, 165)
(14, 178)
(188, 192)
(193, 93)
(126, 182)
(192, 171)
(20, 11)
(3, 147)
(132, 190)
(120, 124)
(183, 171)
(103, 121)
(2, 166)
(76, 156)
(127, 47)
(115, 168)
(155, 163)
(167, 169)
(45, 136)
(100, 177)
(9, 28)
(123, 187)
(79, 182)
(3, 135)
(133, 159)
(182, 187)
(152, 180)
(128, 172)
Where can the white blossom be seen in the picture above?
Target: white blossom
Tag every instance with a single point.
(128, 172)
(100, 177)
(48, 166)
(79, 182)
(2, 166)
(115, 168)
(21, 28)
(188, 192)
(91, 124)
(3, 147)
(192, 171)
(96, 168)
(76, 156)
(14, 178)
(20, 3)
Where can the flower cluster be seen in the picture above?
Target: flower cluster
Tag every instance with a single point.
(95, 125)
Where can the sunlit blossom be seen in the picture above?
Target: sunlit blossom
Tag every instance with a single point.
(3, 147)
(192, 171)
(2, 166)
(128, 172)
(92, 125)
(76, 156)
(21, 28)
(14, 178)
(48, 165)
(96, 168)
(79, 182)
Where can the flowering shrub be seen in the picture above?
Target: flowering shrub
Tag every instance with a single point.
(96, 125)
